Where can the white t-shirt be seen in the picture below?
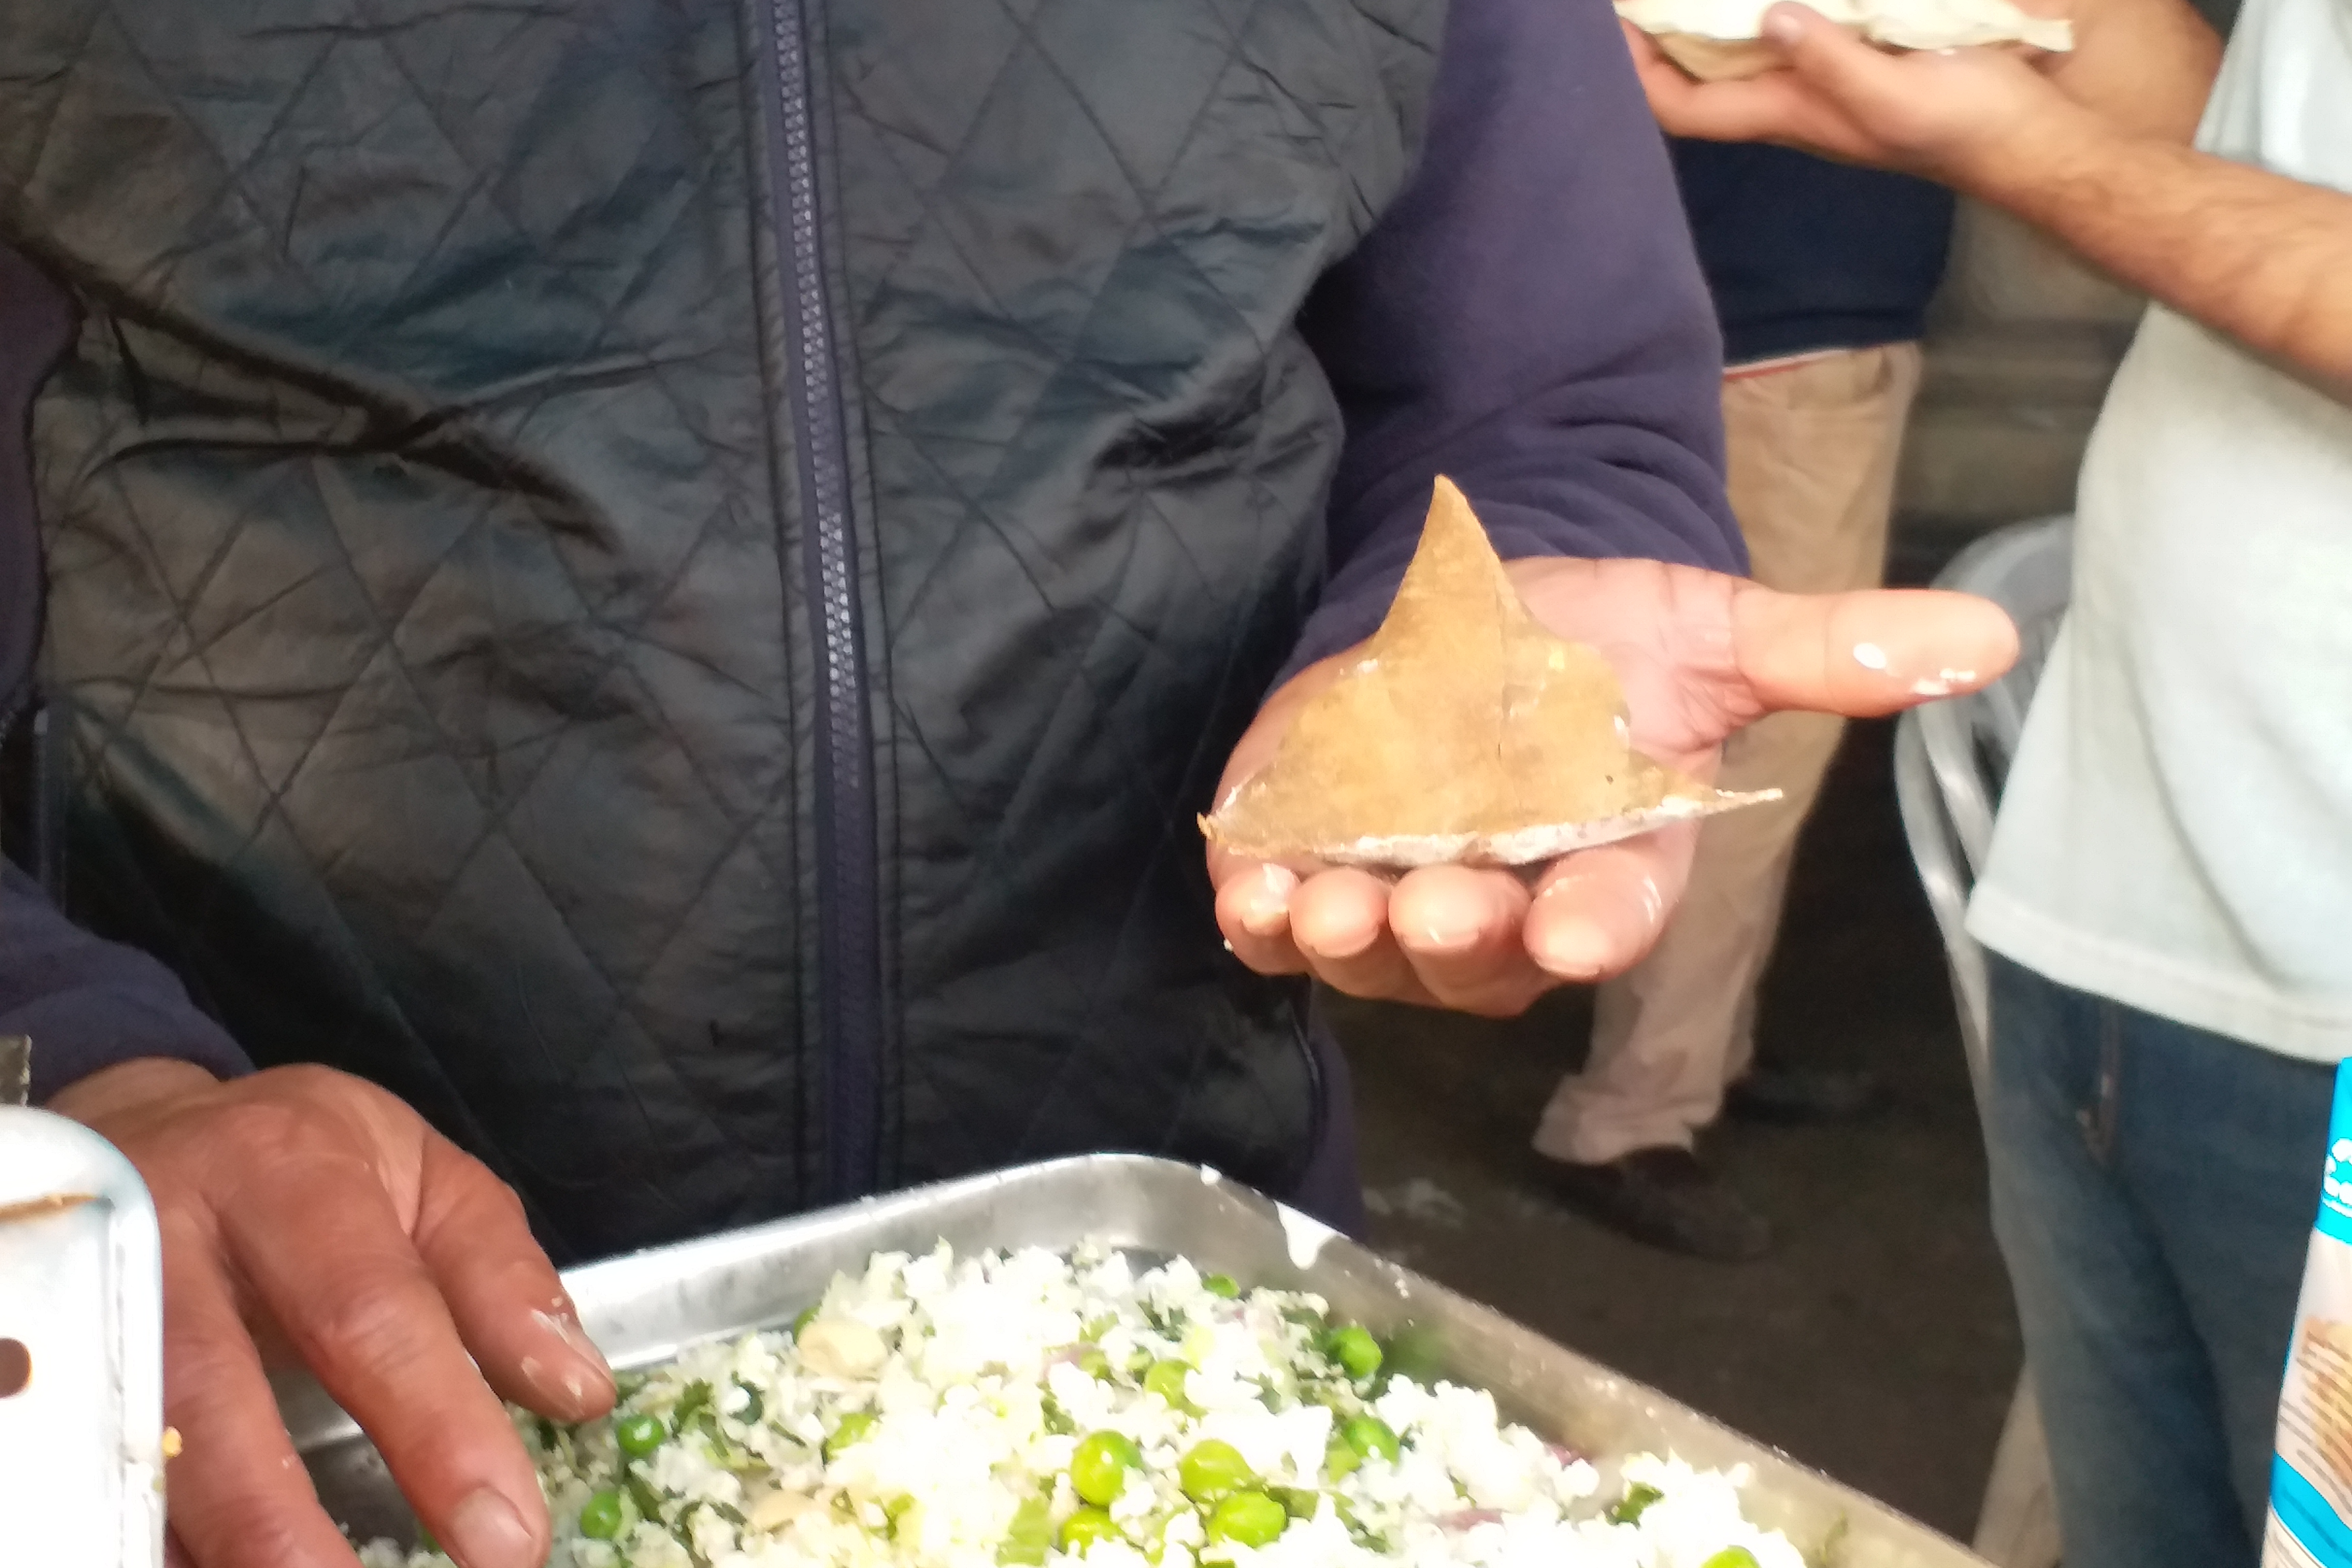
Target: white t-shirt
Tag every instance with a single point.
(2177, 830)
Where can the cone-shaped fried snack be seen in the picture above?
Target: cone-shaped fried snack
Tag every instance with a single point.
(1467, 733)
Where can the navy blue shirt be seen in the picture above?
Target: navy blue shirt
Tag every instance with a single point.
(1527, 318)
(1802, 254)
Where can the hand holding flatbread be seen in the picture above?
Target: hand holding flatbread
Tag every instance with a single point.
(1698, 655)
(1975, 118)
(1723, 40)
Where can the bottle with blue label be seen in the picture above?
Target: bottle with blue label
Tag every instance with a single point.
(2311, 1480)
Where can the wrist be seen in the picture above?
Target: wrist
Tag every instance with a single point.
(126, 1086)
(2058, 145)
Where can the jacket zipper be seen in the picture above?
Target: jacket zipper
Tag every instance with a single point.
(849, 1003)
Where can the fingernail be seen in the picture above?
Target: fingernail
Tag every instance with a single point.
(1446, 939)
(1268, 910)
(1338, 944)
(1265, 920)
(1783, 25)
(565, 1388)
(567, 1328)
(1575, 949)
(570, 1381)
(484, 1531)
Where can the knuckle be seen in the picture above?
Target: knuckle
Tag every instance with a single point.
(311, 1081)
(259, 1125)
(364, 1326)
(226, 1522)
(201, 1369)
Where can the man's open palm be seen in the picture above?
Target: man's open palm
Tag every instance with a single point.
(1701, 655)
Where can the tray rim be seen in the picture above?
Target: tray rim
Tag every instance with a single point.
(316, 1425)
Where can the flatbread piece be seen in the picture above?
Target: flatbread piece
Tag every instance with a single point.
(1466, 733)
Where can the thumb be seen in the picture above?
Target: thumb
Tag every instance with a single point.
(1832, 60)
(1866, 654)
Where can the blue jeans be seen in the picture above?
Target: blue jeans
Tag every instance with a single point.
(2153, 1190)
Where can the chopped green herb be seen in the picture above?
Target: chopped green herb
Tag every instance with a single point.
(690, 1404)
(852, 1429)
(1029, 1537)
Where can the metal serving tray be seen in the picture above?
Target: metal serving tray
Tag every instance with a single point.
(642, 1309)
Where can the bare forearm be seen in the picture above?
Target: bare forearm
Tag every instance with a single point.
(2251, 254)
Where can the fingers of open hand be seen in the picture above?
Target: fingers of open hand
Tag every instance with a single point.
(1253, 912)
(1446, 936)
(504, 1296)
(238, 1497)
(313, 1229)
(1775, 106)
(1462, 932)
(1867, 654)
(1598, 912)
(1340, 921)
(1477, 941)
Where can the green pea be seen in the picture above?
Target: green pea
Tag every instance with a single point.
(853, 1430)
(1731, 1557)
(1358, 1353)
(1029, 1535)
(1340, 1460)
(1211, 1469)
(1248, 1519)
(1099, 1464)
(1086, 1527)
(1095, 1364)
(1636, 1501)
(801, 1323)
(600, 1517)
(1369, 1435)
(1223, 1285)
(640, 1435)
(1166, 1379)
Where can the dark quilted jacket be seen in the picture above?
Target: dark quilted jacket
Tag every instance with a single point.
(664, 579)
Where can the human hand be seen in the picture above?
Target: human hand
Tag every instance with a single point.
(1973, 117)
(1700, 655)
(307, 1212)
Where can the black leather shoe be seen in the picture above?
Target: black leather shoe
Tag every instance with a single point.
(1666, 1198)
(1796, 1096)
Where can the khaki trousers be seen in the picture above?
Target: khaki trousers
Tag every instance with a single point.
(1812, 450)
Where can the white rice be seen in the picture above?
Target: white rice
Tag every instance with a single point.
(970, 1370)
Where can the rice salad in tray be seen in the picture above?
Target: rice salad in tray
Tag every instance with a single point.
(1034, 1409)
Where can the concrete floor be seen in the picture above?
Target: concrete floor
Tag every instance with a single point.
(1877, 1342)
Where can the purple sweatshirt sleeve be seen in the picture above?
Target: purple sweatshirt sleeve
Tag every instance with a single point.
(1528, 319)
(88, 1004)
